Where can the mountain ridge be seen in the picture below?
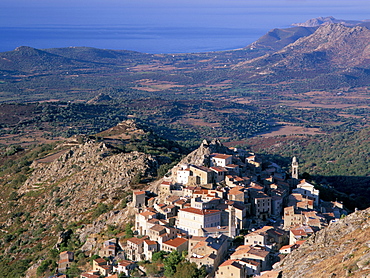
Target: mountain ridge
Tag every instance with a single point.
(331, 43)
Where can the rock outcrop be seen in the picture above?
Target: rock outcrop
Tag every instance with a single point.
(201, 155)
(331, 45)
(71, 187)
(340, 250)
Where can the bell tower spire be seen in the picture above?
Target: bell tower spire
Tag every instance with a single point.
(294, 168)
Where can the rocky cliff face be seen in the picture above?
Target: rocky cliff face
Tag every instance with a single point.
(340, 250)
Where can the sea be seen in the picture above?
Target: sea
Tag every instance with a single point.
(163, 26)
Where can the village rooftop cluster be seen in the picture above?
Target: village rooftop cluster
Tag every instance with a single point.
(202, 209)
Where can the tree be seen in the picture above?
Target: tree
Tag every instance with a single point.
(73, 271)
(158, 256)
(128, 231)
(170, 264)
(187, 270)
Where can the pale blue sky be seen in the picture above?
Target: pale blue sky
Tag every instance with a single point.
(42, 12)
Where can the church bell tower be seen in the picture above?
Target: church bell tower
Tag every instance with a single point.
(294, 168)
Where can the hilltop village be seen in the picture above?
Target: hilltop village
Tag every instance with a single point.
(229, 212)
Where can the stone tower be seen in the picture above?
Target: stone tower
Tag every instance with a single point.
(232, 228)
(294, 168)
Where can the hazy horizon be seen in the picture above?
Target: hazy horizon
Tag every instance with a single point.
(162, 26)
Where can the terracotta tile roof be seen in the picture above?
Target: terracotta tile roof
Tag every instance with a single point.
(180, 202)
(200, 211)
(218, 169)
(202, 191)
(232, 166)
(300, 242)
(242, 249)
(135, 240)
(233, 263)
(125, 263)
(150, 242)
(172, 199)
(88, 275)
(147, 213)
(261, 231)
(100, 261)
(200, 244)
(66, 252)
(235, 191)
(258, 252)
(139, 192)
(153, 221)
(286, 247)
(220, 156)
(157, 228)
(105, 267)
(248, 261)
(248, 249)
(176, 242)
(298, 232)
(166, 183)
(202, 168)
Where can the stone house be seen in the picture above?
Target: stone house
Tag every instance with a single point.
(135, 249)
(149, 248)
(124, 266)
(258, 254)
(160, 233)
(165, 188)
(233, 169)
(142, 223)
(200, 175)
(238, 194)
(90, 274)
(299, 233)
(192, 220)
(308, 190)
(252, 268)
(268, 237)
(233, 180)
(219, 173)
(261, 204)
(183, 174)
(139, 199)
(292, 217)
(277, 205)
(241, 211)
(109, 248)
(178, 244)
(208, 251)
(231, 268)
(260, 237)
(220, 160)
(66, 258)
(102, 266)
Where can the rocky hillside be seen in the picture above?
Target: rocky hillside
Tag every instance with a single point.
(75, 194)
(313, 22)
(276, 39)
(331, 45)
(340, 250)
